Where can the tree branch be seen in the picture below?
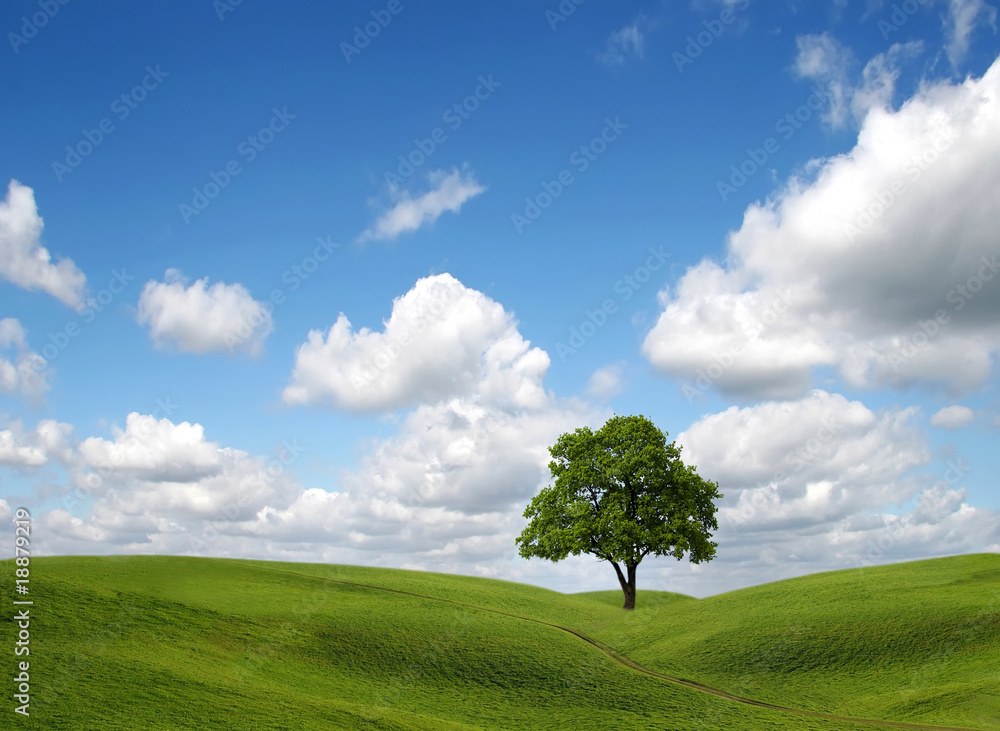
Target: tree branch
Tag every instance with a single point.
(621, 577)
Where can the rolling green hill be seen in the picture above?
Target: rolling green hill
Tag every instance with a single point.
(916, 641)
(177, 643)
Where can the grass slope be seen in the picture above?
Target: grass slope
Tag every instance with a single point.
(176, 643)
(915, 641)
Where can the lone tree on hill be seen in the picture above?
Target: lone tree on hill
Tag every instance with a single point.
(620, 494)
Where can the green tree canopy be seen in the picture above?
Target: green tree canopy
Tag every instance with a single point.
(620, 494)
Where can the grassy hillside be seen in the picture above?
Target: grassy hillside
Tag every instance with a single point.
(916, 641)
(175, 643)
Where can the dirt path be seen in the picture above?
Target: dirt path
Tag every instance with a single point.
(628, 662)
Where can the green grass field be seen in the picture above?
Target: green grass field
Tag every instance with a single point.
(187, 643)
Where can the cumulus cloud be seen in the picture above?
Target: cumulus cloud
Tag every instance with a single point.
(446, 492)
(155, 450)
(449, 486)
(160, 487)
(49, 441)
(200, 318)
(442, 339)
(882, 264)
(791, 463)
(625, 43)
(953, 417)
(467, 457)
(23, 372)
(23, 259)
(448, 193)
(15, 453)
(821, 483)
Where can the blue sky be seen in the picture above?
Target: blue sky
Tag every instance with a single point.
(323, 282)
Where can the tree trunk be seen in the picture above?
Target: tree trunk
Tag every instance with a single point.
(627, 584)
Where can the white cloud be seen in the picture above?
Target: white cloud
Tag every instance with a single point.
(606, 382)
(25, 373)
(11, 333)
(15, 453)
(964, 16)
(449, 487)
(468, 457)
(202, 319)
(815, 484)
(625, 43)
(49, 441)
(877, 85)
(821, 57)
(23, 259)
(161, 487)
(824, 59)
(766, 457)
(446, 492)
(56, 440)
(820, 483)
(953, 417)
(449, 191)
(154, 450)
(71, 529)
(235, 487)
(442, 339)
(850, 267)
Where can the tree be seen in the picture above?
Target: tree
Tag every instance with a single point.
(620, 494)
